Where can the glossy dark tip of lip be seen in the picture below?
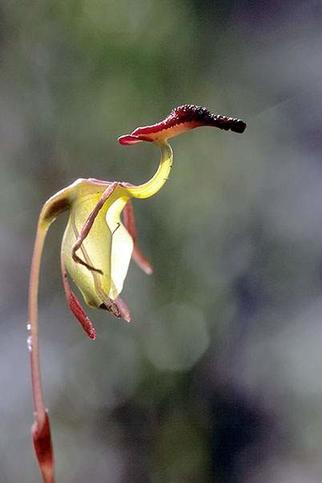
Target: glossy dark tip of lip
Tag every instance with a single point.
(229, 123)
(240, 126)
(201, 116)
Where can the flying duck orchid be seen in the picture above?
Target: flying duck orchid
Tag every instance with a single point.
(98, 243)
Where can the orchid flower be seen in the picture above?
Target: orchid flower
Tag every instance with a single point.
(98, 243)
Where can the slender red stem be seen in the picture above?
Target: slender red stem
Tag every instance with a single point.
(33, 343)
(41, 427)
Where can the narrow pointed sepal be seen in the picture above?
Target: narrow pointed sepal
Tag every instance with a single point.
(123, 309)
(81, 316)
(141, 261)
(75, 306)
(129, 222)
(43, 448)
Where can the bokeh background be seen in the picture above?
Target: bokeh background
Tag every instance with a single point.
(219, 377)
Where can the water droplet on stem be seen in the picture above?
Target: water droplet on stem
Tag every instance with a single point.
(29, 343)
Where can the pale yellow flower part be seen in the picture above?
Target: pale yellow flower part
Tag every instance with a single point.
(108, 246)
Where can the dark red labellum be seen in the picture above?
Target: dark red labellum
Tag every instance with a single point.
(181, 119)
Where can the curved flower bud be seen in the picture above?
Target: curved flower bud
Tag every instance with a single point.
(181, 119)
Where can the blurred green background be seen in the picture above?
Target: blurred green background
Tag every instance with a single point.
(219, 376)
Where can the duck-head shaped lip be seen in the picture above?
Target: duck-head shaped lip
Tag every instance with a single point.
(181, 119)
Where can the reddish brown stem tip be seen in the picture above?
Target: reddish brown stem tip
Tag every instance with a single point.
(181, 119)
(43, 448)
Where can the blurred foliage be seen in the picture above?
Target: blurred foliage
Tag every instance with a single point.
(218, 377)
